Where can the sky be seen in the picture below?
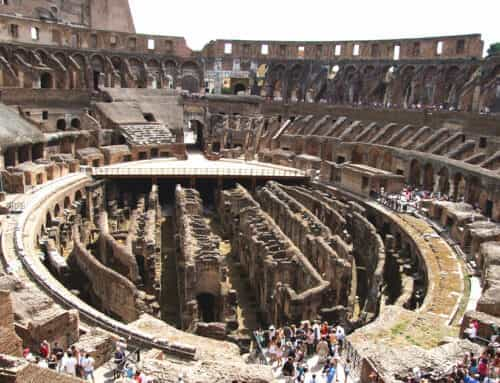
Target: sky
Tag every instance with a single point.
(315, 20)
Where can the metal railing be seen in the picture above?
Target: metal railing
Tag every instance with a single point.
(174, 171)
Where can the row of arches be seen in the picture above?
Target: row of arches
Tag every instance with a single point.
(58, 70)
(447, 85)
(431, 176)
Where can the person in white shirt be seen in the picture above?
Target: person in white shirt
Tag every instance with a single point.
(41, 362)
(69, 365)
(88, 367)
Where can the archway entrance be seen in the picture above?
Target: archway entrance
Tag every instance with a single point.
(97, 76)
(193, 135)
(239, 88)
(206, 307)
(46, 81)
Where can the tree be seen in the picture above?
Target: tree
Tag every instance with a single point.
(494, 49)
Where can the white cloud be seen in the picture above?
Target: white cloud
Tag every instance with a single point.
(201, 21)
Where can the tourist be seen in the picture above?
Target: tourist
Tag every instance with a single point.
(330, 373)
(119, 360)
(139, 377)
(340, 335)
(41, 362)
(471, 332)
(44, 349)
(347, 370)
(289, 369)
(52, 362)
(59, 353)
(88, 367)
(323, 350)
(69, 364)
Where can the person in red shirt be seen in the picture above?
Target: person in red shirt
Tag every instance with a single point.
(138, 377)
(44, 349)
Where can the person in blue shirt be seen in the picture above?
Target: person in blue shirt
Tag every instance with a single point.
(330, 374)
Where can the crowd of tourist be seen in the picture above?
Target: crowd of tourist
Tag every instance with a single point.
(481, 368)
(72, 362)
(81, 364)
(405, 201)
(308, 353)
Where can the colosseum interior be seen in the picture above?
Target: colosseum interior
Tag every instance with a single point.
(176, 202)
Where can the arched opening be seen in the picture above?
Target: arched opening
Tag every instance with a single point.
(61, 124)
(78, 195)
(444, 181)
(193, 135)
(428, 177)
(67, 202)
(239, 87)
(387, 162)
(57, 210)
(373, 159)
(48, 220)
(46, 81)
(75, 123)
(190, 84)
(357, 156)
(206, 307)
(458, 190)
(414, 176)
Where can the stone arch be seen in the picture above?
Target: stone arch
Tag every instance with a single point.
(414, 175)
(357, 155)
(48, 219)
(444, 181)
(294, 91)
(451, 91)
(67, 202)
(61, 124)
(98, 67)
(387, 161)
(457, 191)
(46, 80)
(79, 79)
(78, 195)
(239, 87)
(428, 177)
(154, 74)
(57, 210)
(373, 158)
(75, 123)
(274, 81)
(190, 84)
(473, 191)
(428, 92)
(137, 68)
(407, 86)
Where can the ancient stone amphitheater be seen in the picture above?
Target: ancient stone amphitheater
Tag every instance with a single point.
(179, 200)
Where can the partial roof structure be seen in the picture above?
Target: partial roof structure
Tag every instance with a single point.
(15, 130)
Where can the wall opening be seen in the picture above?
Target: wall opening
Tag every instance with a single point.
(206, 307)
(46, 81)
(61, 124)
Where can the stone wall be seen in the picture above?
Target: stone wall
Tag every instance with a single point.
(10, 343)
(115, 293)
(198, 259)
(287, 286)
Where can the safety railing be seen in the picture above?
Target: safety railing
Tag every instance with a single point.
(174, 171)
